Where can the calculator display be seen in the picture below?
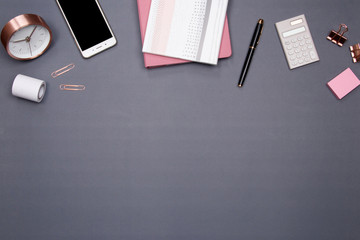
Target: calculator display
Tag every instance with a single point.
(294, 32)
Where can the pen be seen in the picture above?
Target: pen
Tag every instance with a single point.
(254, 42)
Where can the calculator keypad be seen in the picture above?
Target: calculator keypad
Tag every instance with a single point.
(300, 50)
(297, 42)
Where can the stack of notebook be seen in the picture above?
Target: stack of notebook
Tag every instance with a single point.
(180, 31)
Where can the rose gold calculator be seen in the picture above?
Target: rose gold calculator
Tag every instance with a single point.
(296, 40)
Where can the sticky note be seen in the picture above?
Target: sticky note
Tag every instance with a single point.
(344, 83)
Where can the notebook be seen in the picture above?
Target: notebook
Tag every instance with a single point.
(344, 83)
(152, 61)
(186, 29)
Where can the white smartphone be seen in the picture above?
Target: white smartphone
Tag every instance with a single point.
(88, 25)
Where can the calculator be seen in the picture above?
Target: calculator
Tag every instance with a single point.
(296, 40)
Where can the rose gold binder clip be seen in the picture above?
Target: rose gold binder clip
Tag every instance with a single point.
(355, 52)
(63, 70)
(338, 37)
(72, 87)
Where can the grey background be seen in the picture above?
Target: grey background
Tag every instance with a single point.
(180, 152)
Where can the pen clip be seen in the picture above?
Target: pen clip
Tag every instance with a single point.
(262, 29)
(261, 22)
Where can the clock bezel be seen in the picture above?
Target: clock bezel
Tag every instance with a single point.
(16, 24)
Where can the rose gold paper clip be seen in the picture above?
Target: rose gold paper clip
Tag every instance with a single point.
(63, 70)
(337, 37)
(72, 87)
(355, 52)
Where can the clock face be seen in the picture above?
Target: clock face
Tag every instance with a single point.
(29, 42)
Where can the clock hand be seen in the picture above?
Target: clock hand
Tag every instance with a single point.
(32, 32)
(19, 41)
(30, 49)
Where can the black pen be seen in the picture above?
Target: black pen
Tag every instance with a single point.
(254, 42)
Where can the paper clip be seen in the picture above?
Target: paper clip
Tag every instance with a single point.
(72, 87)
(355, 52)
(63, 70)
(337, 37)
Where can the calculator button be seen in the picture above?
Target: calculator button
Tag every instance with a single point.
(293, 41)
(306, 36)
(302, 43)
(297, 50)
(300, 38)
(308, 41)
(310, 46)
(293, 57)
(287, 43)
(301, 61)
(289, 47)
(291, 52)
(298, 55)
(307, 59)
(312, 55)
(295, 45)
(303, 48)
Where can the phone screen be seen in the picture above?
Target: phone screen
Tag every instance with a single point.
(86, 21)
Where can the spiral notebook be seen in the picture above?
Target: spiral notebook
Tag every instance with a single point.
(186, 29)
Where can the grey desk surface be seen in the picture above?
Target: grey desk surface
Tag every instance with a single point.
(180, 152)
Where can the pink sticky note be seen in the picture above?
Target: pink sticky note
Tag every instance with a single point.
(344, 83)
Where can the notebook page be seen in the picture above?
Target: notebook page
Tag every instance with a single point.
(186, 29)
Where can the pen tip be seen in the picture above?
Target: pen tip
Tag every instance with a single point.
(239, 85)
(261, 21)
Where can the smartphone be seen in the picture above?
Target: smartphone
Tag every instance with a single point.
(88, 25)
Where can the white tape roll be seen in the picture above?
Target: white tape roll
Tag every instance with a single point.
(28, 88)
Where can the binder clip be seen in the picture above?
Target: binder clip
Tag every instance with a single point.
(355, 52)
(337, 37)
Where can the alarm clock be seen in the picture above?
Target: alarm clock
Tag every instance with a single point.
(26, 37)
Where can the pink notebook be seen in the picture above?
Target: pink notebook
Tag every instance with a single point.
(152, 60)
(344, 83)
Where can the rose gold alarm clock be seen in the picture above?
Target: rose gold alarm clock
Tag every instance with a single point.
(26, 37)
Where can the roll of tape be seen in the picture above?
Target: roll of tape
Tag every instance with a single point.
(28, 88)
